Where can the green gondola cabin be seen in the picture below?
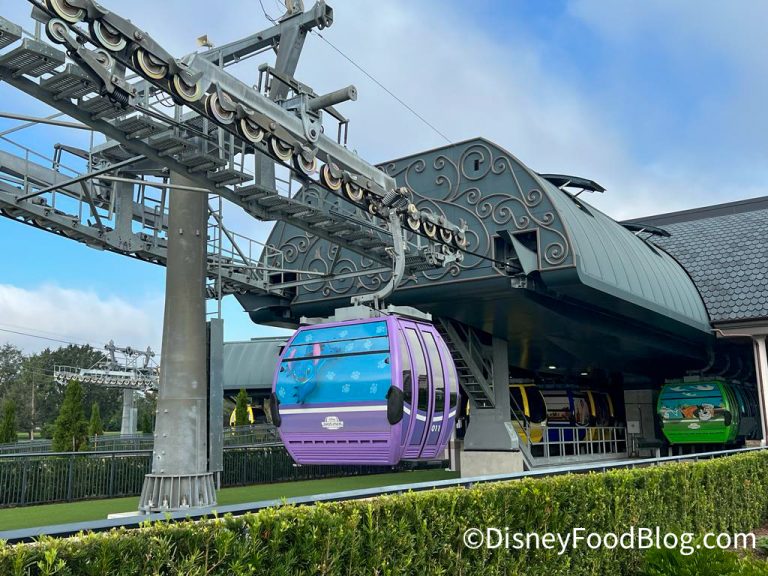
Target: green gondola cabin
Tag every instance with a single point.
(704, 412)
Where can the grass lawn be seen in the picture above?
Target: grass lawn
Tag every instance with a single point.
(31, 516)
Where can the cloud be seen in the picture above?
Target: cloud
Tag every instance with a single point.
(694, 90)
(77, 316)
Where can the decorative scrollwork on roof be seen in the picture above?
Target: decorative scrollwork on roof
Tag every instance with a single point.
(474, 183)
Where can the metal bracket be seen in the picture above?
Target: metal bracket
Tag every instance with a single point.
(398, 271)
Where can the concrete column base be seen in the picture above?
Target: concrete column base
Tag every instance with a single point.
(129, 424)
(484, 463)
(165, 493)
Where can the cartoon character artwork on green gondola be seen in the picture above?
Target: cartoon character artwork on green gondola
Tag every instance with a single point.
(698, 412)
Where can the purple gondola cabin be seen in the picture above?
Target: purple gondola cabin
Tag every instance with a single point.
(372, 391)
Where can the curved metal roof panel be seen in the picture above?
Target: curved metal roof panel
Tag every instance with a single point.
(612, 259)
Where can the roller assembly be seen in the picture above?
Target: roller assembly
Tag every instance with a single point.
(290, 132)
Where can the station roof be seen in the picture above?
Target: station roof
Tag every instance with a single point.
(614, 260)
(250, 365)
(562, 283)
(725, 250)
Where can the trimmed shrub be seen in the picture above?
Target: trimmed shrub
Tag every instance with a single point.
(421, 533)
(662, 562)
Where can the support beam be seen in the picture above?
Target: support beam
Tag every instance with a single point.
(123, 192)
(34, 120)
(761, 371)
(216, 398)
(289, 49)
(491, 445)
(130, 420)
(180, 475)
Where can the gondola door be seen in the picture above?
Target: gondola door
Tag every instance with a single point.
(404, 363)
(421, 410)
(438, 418)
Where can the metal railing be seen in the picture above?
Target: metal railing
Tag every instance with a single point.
(35, 478)
(105, 443)
(26, 446)
(253, 435)
(543, 445)
(561, 444)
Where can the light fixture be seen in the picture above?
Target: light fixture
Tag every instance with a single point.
(204, 42)
(552, 367)
(585, 373)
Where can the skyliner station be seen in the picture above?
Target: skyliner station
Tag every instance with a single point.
(452, 304)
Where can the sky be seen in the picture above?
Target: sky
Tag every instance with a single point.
(659, 101)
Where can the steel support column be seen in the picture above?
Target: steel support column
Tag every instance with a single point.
(761, 370)
(123, 192)
(491, 445)
(180, 476)
(491, 428)
(289, 49)
(129, 422)
(216, 398)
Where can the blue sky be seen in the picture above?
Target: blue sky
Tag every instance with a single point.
(661, 102)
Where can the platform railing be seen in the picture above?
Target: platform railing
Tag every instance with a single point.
(252, 434)
(546, 445)
(26, 446)
(565, 443)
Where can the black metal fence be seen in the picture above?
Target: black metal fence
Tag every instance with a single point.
(27, 479)
(252, 435)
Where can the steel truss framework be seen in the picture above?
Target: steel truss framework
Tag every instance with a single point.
(190, 116)
(125, 368)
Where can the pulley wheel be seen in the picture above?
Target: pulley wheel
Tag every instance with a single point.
(107, 36)
(251, 131)
(188, 93)
(328, 180)
(66, 11)
(149, 65)
(280, 149)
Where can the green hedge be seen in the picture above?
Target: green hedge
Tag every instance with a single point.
(421, 533)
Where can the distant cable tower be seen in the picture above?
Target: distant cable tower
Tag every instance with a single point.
(126, 368)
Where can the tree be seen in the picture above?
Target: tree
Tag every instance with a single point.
(95, 427)
(71, 428)
(146, 406)
(50, 394)
(11, 361)
(8, 423)
(241, 409)
(12, 383)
